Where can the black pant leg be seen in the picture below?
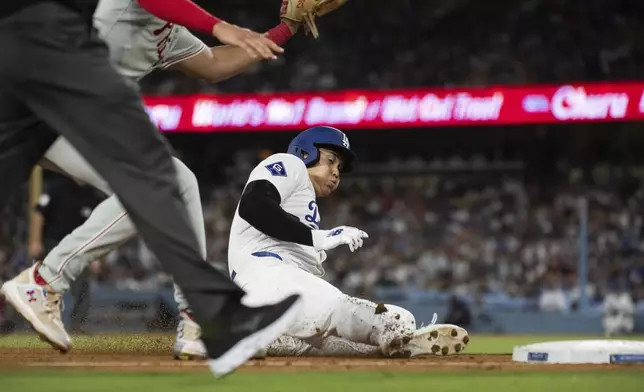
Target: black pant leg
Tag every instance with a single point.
(23, 141)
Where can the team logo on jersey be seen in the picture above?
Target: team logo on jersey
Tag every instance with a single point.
(277, 169)
(314, 217)
(345, 141)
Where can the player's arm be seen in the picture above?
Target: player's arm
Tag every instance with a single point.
(260, 206)
(224, 62)
(188, 14)
(270, 183)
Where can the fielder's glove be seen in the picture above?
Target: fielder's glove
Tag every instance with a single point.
(305, 11)
(329, 239)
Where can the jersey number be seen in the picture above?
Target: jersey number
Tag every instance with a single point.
(313, 218)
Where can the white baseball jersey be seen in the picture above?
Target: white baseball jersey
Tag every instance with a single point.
(289, 175)
(139, 42)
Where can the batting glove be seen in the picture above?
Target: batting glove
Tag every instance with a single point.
(329, 239)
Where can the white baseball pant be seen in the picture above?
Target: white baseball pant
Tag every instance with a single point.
(267, 277)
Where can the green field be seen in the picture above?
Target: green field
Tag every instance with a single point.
(326, 382)
(624, 379)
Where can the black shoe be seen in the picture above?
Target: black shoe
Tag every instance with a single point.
(239, 332)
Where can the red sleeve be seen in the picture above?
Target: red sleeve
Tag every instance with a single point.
(182, 12)
(280, 34)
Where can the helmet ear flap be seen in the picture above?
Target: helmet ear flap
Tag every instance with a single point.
(308, 154)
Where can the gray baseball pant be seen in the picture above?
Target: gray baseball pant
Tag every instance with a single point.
(109, 225)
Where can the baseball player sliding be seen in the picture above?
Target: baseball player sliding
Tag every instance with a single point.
(277, 248)
(140, 42)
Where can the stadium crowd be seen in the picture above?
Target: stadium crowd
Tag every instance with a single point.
(465, 226)
(412, 43)
(468, 226)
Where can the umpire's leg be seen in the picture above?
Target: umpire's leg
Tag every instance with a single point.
(23, 141)
(62, 73)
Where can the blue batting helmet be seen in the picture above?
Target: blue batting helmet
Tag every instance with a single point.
(305, 145)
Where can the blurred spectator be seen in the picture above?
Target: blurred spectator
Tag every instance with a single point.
(553, 298)
(458, 313)
(619, 311)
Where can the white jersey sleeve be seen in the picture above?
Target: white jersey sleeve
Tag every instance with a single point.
(287, 172)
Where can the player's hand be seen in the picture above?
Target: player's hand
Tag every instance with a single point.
(343, 235)
(255, 44)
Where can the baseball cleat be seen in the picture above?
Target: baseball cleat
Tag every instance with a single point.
(40, 307)
(194, 350)
(189, 350)
(438, 339)
(240, 332)
(188, 345)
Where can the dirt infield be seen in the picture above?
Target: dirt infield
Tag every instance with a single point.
(32, 359)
